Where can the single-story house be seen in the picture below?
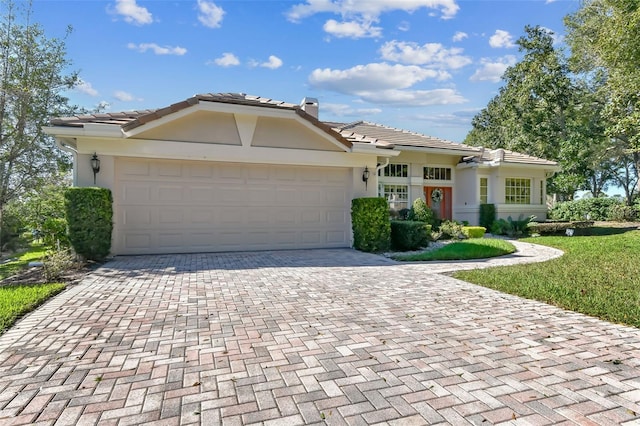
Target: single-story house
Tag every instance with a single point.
(228, 172)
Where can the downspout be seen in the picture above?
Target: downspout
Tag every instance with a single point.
(380, 167)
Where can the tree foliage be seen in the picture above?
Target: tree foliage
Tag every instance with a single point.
(33, 77)
(604, 36)
(547, 110)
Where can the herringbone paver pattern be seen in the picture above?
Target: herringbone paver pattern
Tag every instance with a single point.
(319, 336)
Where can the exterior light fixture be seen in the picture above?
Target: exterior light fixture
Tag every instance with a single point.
(95, 166)
(365, 176)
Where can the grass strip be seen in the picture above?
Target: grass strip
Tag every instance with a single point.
(35, 252)
(17, 300)
(598, 275)
(477, 248)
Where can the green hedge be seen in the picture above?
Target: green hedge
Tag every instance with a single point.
(487, 215)
(474, 231)
(585, 209)
(371, 225)
(409, 234)
(550, 228)
(90, 218)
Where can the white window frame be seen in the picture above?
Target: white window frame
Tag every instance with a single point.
(486, 196)
(383, 171)
(515, 198)
(440, 169)
(396, 200)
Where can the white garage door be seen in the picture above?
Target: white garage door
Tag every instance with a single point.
(189, 206)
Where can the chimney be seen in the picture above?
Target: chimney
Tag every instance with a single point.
(310, 106)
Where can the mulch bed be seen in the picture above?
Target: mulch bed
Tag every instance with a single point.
(34, 275)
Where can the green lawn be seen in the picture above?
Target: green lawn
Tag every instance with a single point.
(35, 252)
(599, 275)
(17, 300)
(476, 248)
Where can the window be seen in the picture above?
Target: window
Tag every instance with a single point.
(437, 173)
(396, 195)
(395, 170)
(484, 190)
(542, 192)
(517, 191)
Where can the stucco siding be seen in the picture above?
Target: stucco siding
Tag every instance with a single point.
(283, 133)
(200, 126)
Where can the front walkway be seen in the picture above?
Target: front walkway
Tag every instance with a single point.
(317, 336)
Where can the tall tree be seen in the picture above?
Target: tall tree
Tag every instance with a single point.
(604, 36)
(33, 76)
(542, 111)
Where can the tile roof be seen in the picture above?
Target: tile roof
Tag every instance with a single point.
(346, 133)
(514, 157)
(363, 131)
(132, 119)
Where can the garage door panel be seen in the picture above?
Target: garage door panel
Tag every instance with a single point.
(137, 216)
(171, 217)
(169, 169)
(136, 193)
(130, 167)
(169, 194)
(180, 206)
(201, 194)
(170, 240)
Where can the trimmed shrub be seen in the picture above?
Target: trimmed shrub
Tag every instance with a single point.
(371, 225)
(90, 219)
(512, 228)
(621, 213)
(487, 215)
(551, 228)
(409, 234)
(451, 229)
(474, 231)
(56, 263)
(421, 212)
(584, 209)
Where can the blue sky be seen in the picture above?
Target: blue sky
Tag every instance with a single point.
(422, 65)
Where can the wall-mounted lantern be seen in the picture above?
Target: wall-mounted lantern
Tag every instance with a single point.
(365, 176)
(95, 166)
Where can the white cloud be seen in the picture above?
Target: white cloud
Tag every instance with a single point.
(493, 70)
(414, 97)
(429, 54)
(342, 110)
(210, 14)
(227, 60)
(158, 50)
(501, 38)
(458, 119)
(369, 9)
(86, 88)
(351, 29)
(459, 36)
(273, 63)
(383, 83)
(133, 13)
(404, 26)
(370, 77)
(125, 96)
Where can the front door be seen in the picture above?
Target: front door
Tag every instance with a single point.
(439, 200)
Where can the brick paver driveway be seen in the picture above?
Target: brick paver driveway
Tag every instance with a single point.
(324, 336)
